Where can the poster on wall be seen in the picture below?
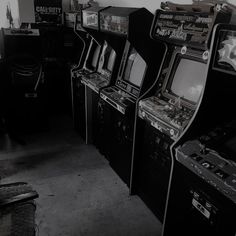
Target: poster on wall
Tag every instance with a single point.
(9, 14)
(48, 11)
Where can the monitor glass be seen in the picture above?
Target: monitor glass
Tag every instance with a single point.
(187, 79)
(135, 68)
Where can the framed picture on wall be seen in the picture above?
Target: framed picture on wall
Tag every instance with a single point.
(48, 11)
(9, 14)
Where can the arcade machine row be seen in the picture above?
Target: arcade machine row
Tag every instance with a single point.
(88, 64)
(114, 27)
(139, 66)
(168, 108)
(203, 186)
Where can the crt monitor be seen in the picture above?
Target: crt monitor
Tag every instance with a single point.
(135, 68)
(108, 57)
(186, 79)
(92, 56)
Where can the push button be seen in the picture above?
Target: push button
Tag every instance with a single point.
(221, 174)
(208, 165)
(196, 157)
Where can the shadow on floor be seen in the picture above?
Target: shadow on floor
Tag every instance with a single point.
(79, 194)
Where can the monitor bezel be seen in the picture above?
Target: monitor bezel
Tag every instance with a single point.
(177, 56)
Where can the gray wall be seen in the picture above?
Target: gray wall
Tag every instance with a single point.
(151, 5)
(26, 7)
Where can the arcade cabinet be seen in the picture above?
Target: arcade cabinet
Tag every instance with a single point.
(90, 64)
(59, 49)
(25, 98)
(165, 112)
(138, 69)
(202, 191)
(114, 34)
(84, 38)
(76, 88)
(101, 78)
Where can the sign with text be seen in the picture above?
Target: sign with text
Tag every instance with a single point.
(48, 11)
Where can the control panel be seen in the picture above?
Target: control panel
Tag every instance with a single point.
(76, 73)
(96, 81)
(127, 87)
(166, 116)
(117, 98)
(210, 165)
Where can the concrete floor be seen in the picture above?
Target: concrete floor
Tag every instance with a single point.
(79, 194)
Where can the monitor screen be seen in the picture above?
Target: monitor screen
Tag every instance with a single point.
(93, 55)
(135, 68)
(188, 79)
